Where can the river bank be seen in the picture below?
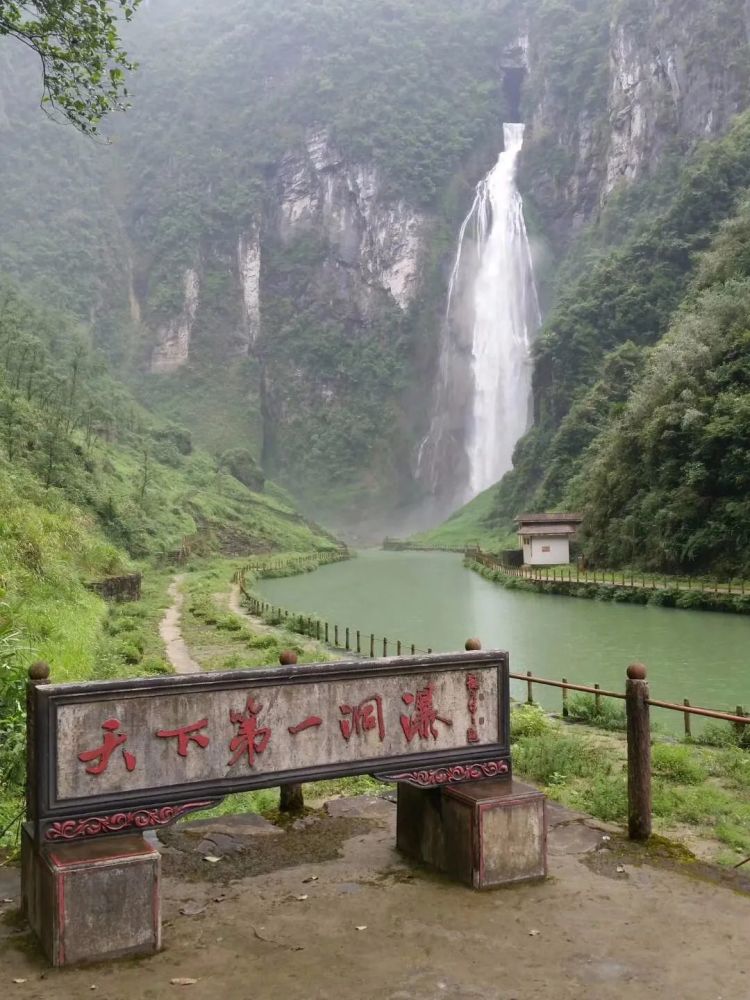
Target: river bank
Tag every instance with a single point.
(656, 591)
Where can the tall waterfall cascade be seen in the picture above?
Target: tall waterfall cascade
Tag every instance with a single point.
(482, 402)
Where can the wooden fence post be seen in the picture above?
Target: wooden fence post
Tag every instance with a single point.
(639, 753)
(336, 636)
(347, 637)
(565, 699)
(385, 646)
(529, 689)
(739, 727)
(326, 631)
(686, 703)
(359, 643)
(372, 645)
(597, 701)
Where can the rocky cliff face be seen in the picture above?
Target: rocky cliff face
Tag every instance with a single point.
(370, 249)
(657, 77)
(376, 240)
(669, 81)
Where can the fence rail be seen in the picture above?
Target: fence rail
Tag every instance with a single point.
(342, 637)
(609, 578)
(270, 565)
(396, 545)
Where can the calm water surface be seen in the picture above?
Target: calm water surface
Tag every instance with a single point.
(430, 599)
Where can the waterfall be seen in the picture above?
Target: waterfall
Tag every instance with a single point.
(483, 391)
(506, 317)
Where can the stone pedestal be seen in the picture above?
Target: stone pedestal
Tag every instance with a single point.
(483, 833)
(91, 901)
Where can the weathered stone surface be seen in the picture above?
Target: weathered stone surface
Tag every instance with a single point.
(247, 825)
(573, 838)
(157, 763)
(485, 833)
(366, 806)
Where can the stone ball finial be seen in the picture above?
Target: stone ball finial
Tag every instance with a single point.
(472, 645)
(287, 657)
(39, 671)
(637, 672)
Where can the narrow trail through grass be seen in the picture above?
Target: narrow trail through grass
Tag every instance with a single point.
(170, 631)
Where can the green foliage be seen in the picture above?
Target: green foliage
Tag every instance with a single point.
(609, 715)
(83, 63)
(528, 720)
(677, 763)
(555, 755)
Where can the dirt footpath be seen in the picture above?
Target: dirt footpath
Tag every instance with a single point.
(368, 925)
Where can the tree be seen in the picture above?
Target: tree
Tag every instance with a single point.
(83, 62)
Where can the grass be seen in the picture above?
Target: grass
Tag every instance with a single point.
(219, 639)
(700, 794)
(670, 597)
(468, 527)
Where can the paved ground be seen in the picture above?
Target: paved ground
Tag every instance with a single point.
(257, 924)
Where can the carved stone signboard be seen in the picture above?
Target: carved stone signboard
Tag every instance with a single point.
(115, 756)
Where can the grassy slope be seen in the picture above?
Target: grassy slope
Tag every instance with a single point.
(471, 525)
(701, 793)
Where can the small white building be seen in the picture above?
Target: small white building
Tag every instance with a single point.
(545, 538)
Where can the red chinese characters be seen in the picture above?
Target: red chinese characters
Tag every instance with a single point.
(112, 740)
(424, 716)
(362, 718)
(311, 722)
(186, 735)
(251, 739)
(472, 686)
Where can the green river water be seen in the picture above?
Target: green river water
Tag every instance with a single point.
(431, 600)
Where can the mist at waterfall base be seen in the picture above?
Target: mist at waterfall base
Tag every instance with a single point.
(482, 397)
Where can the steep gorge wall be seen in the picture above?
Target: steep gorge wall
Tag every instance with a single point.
(282, 216)
(616, 88)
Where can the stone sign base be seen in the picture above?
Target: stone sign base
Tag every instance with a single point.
(484, 833)
(93, 900)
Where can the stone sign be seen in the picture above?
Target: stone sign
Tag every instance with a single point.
(114, 756)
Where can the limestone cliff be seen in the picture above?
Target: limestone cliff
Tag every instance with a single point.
(653, 78)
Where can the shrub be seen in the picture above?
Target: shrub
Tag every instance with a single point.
(553, 755)
(229, 623)
(733, 764)
(155, 665)
(128, 652)
(677, 763)
(528, 720)
(690, 599)
(694, 804)
(717, 734)
(610, 714)
(606, 797)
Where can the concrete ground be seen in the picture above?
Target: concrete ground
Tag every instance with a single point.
(328, 909)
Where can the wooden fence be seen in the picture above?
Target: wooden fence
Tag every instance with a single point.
(342, 637)
(396, 545)
(575, 575)
(291, 565)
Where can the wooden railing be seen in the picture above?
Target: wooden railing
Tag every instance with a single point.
(605, 578)
(343, 637)
(290, 565)
(397, 545)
